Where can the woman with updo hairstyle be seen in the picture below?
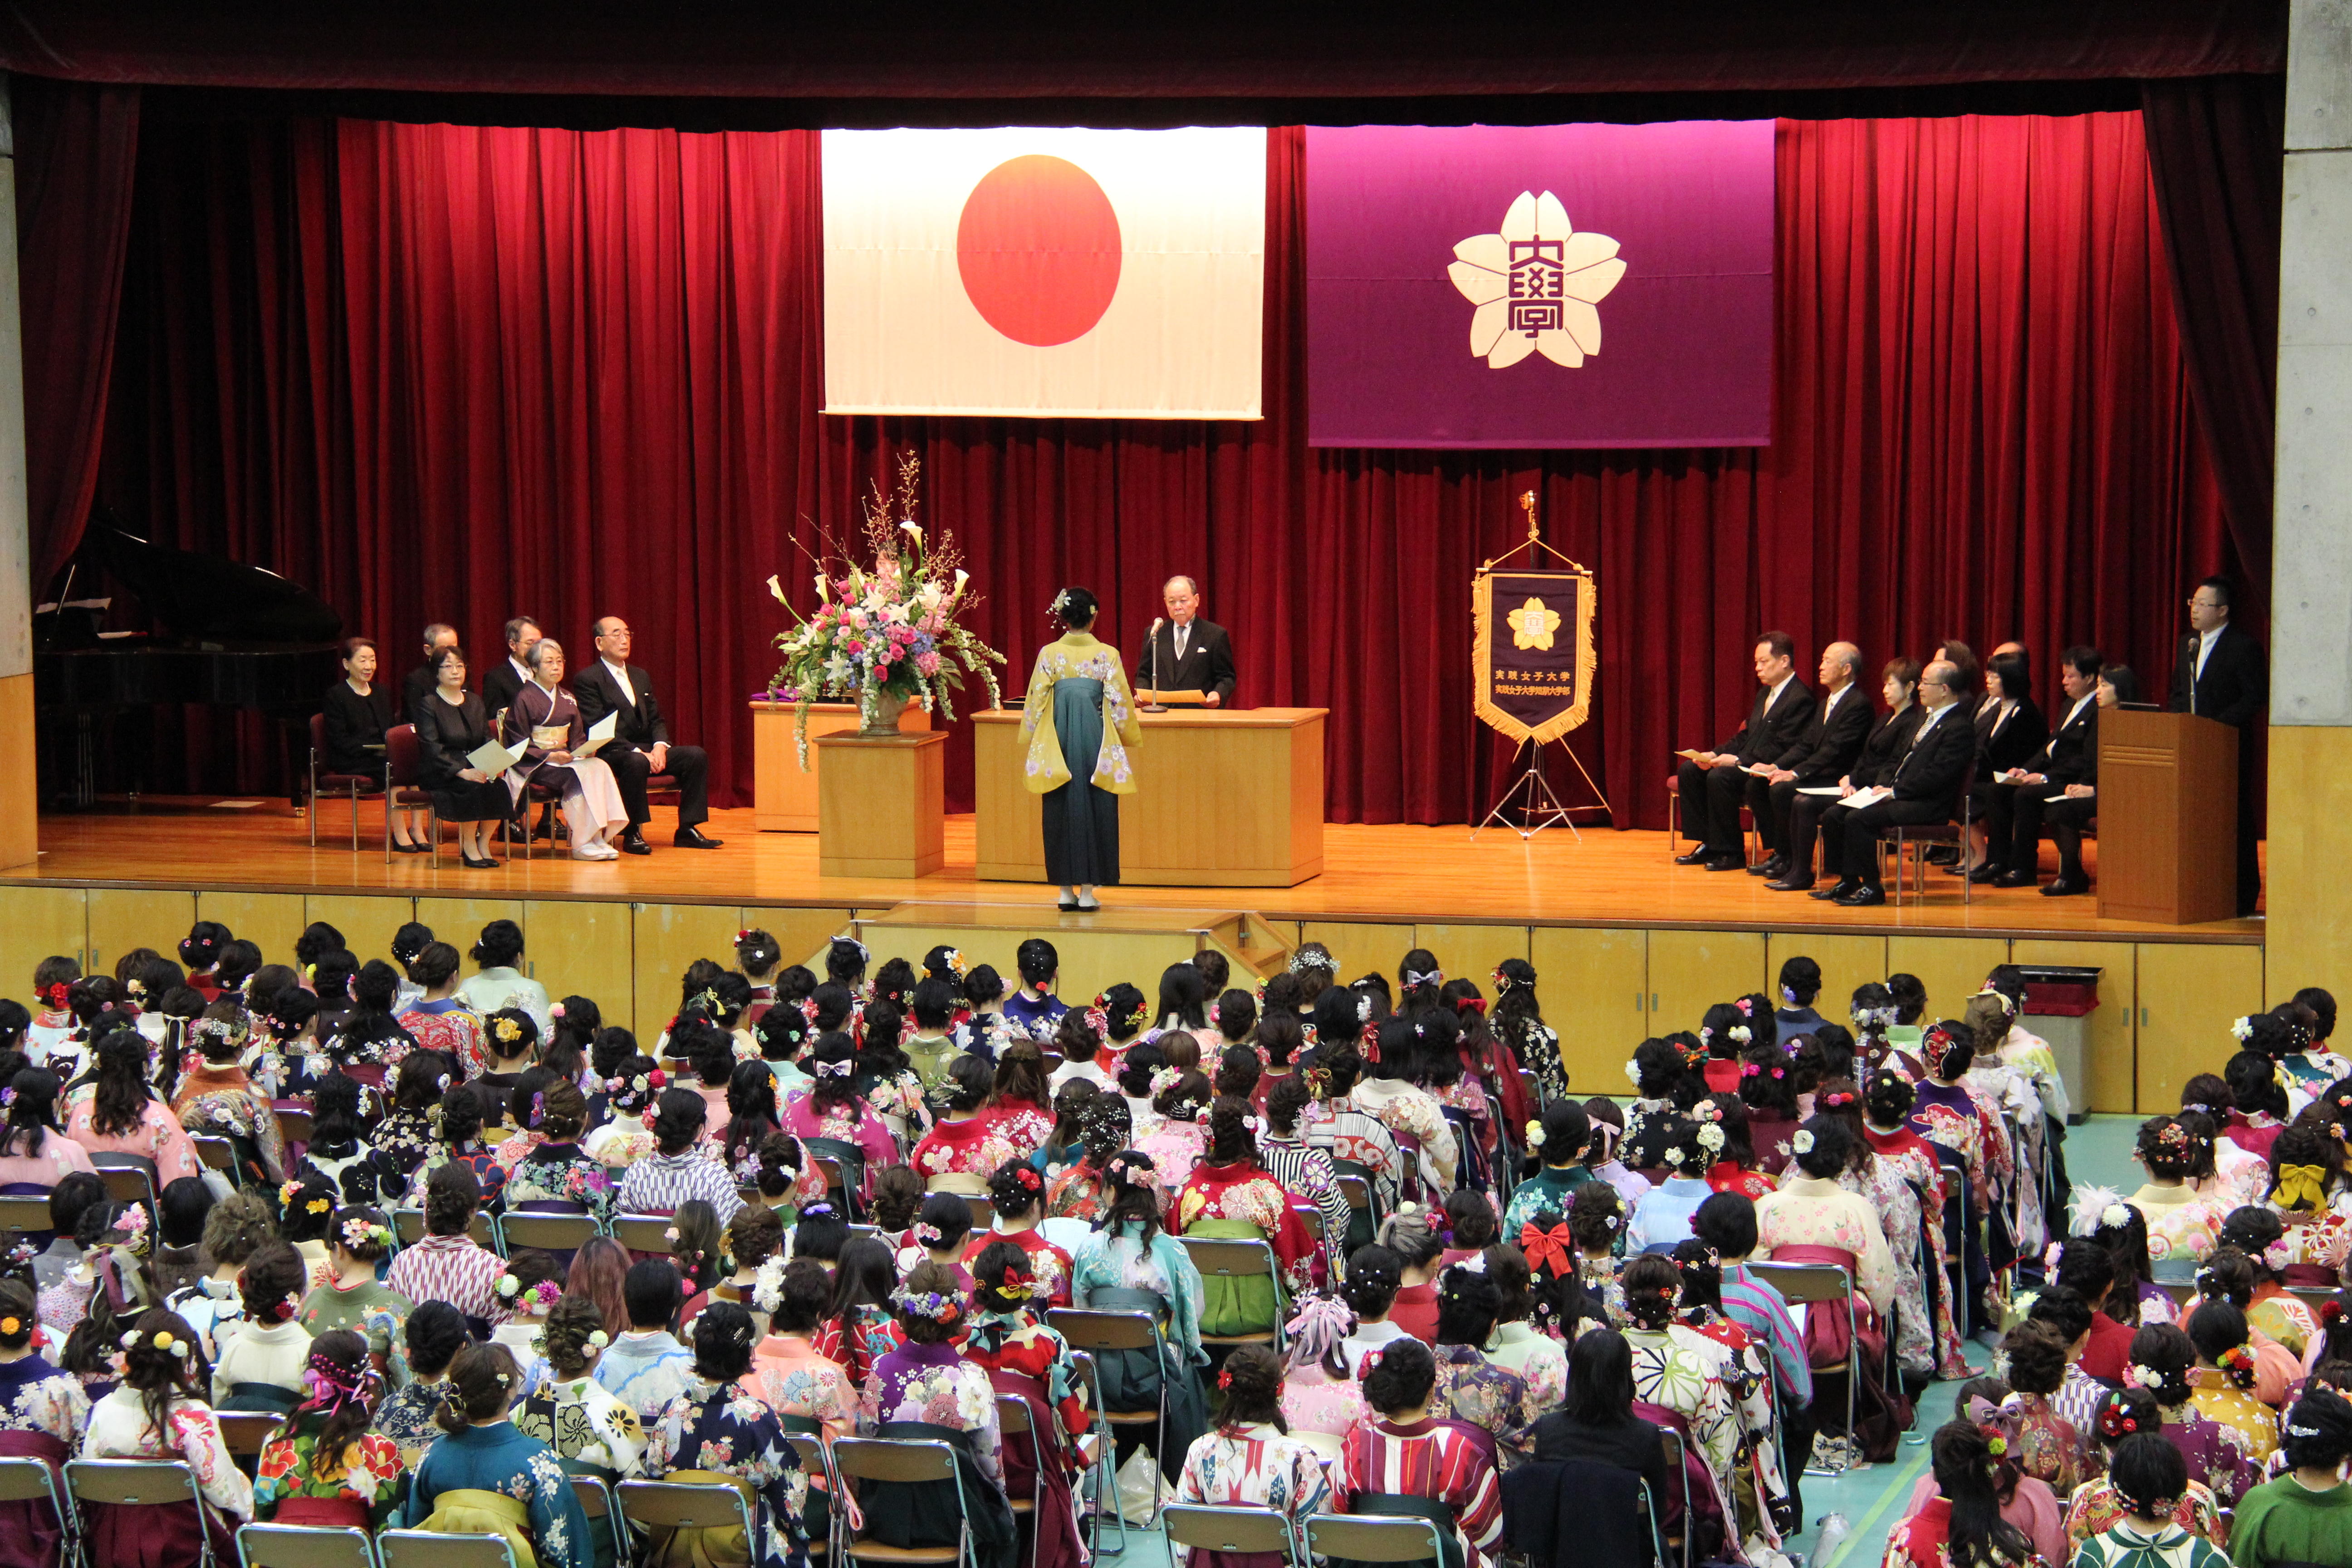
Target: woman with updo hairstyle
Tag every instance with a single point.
(1305, 1170)
(1927, 1338)
(1375, 1276)
(48, 1411)
(1179, 1133)
(2147, 1483)
(2096, 1509)
(483, 1451)
(1811, 1216)
(1130, 1263)
(1066, 1145)
(886, 1076)
(1251, 1459)
(2257, 1103)
(1663, 1217)
(324, 1467)
(898, 1194)
(1024, 1359)
(1398, 1439)
(1321, 1399)
(158, 1412)
(1016, 1191)
(925, 1380)
(1529, 1310)
(2302, 1516)
(1470, 1388)
(1413, 1234)
(809, 1390)
(710, 1434)
(1557, 1144)
(2228, 1275)
(1389, 1091)
(1471, 1226)
(2180, 1224)
(588, 1429)
(1358, 1137)
(1081, 1191)
(1947, 1112)
(2306, 1183)
(2047, 1446)
(1962, 1527)
(1230, 1196)
(2256, 1231)
(2164, 1364)
(117, 1113)
(260, 1366)
(558, 1175)
(963, 1148)
(1019, 1098)
(941, 1227)
(1079, 717)
(677, 1170)
(2106, 1218)
(753, 1237)
(2219, 1331)
(1238, 1072)
(215, 1098)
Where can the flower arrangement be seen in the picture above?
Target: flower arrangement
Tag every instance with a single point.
(888, 634)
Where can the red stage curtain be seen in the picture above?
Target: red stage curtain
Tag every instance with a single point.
(75, 148)
(451, 372)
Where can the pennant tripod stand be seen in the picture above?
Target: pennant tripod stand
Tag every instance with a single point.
(1533, 690)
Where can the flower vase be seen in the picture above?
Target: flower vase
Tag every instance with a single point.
(878, 711)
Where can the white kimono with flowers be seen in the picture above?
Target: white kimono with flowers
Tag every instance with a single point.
(1812, 1211)
(1079, 656)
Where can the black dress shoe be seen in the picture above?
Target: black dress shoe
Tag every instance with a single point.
(634, 843)
(1944, 855)
(1774, 865)
(1698, 856)
(694, 839)
(1988, 872)
(482, 865)
(1862, 898)
(1069, 906)
(1789, 885)
(546, 828)
(1735, 861)
(2062, 887)
(1833, 892)
(2013, 879)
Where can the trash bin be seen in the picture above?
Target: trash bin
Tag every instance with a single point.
(2058, 997)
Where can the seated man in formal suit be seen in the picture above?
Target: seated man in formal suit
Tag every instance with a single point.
(1925, 789)
(1185, 653)
(1713, 785)
(2020, 795)
(1823, 754)
(2220, 674)
(419, 682)
(640, 746)
(1883, 747)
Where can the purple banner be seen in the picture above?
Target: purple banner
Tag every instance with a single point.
(1539, 286)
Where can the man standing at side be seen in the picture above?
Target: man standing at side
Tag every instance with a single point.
(2220, 674)
(1187, 653)
(640, 746)
(1823, 754)
(1712, 785)
(1925, 789)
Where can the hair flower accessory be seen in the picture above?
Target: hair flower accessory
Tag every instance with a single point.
(1634, 1072)
(2116, 1421)
(1803, 1143)
(1535, 1136)
(1710, 1137)
(1165, 1078)
(1673, 1156)
(1739, 1032)
(288, 1191)
(555, 1010)
(2115, 1216)
(2242, 1029)
(543, 1297)
(510, 1287)
(937, 1305)
(2139, 1377)
(929, 1236)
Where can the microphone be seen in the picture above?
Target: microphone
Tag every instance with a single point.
(1151, 646)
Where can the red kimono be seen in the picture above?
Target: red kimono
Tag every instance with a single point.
(1048, 1262)
(1727, 1177)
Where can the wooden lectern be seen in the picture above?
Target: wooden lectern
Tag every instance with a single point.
(2168, 817)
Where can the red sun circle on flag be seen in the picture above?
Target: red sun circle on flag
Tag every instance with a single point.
(1038, 246)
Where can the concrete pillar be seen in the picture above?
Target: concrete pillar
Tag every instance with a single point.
(2310, 628)
(19, 789)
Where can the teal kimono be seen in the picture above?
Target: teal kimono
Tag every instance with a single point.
(500, 1459)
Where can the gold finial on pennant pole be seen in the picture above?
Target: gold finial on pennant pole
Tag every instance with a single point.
(1528, 505)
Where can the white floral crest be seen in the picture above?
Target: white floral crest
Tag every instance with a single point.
(1537, 284)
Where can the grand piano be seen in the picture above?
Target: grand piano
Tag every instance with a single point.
(230, 636)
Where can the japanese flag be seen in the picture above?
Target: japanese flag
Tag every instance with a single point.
(1118, 274)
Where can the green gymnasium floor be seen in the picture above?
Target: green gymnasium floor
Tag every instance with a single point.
(1871, 1497)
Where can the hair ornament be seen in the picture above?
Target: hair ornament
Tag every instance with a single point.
(509, 1286)
(833, 1069)
(1803, 1142)
(1165, 1078)
(509, 1030)
(938, 1305)
(1838, 1096)
(1634, 1072)
(2116, 1421)
(2242, 1029)
(1535, 1136)
(1673, 1156)
(2137, 1375)
(1739, 1032)
(1419, 977)
(1710, 1137)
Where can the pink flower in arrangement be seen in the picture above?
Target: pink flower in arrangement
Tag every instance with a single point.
(928, 663)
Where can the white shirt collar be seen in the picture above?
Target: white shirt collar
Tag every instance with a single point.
(620, 673)
(518, 666)
(1834, 697)
(2091, 695)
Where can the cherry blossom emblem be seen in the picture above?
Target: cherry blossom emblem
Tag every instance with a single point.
(1538, 285)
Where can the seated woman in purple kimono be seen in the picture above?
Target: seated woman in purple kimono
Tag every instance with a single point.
(43, 1412)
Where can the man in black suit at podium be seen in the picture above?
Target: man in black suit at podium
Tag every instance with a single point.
(640, 746)
(1185, 653)
(2220, 673)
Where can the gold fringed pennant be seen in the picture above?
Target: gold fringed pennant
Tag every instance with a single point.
(1532, 659)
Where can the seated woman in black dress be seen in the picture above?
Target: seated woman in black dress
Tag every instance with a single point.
(451, 723)
(1596, 1421)
(358, 712)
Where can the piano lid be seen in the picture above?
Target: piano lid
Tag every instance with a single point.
(209, 598)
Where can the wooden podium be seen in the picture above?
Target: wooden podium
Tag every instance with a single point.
(1223, 798)
(2168, 817)
(784, 798)
(881, 803)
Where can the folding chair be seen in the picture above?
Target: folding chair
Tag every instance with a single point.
(1363, 1203)
(1818, 1284)
(1916, 839)
(1096, 1332)
(304, 1546)
(244, 1432)
(25, 1214)
(351, 785)
(1237, 1259)
(434, 1549)
(983, 1212)
(408, 1228)
(1231, 1528)
(404, 767)
(128, 1178)
(1011, 1419)
(217, 1154)
(294, 1126)
(816, 1458)
(1672, 1442)
(661, 1508)
(134, 1483)
(565, 1232)
(1105, 1478)
(1369, 1539)
(596, 1501)
(889, 1459)
(646, 1233)
(29, 1480)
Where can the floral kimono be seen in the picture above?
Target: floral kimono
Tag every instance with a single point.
(1313, 1401)
(1242, 1201)
(2050, 1448)
(1049, 1263)
(583, 1422)
(1471, 1388)
(560, 1173)
(528, 1491)
(405, 1417)
(961, 1156)
(2124, 1545)
(2009, 1091)
(619, 1143)
(713, 1431)
(122, 1536)
(1078, 657)
(43, 1412)
(2095, 1508)
(1540, 1360)
(355, 1492)
(1677, 1369)
(406, 1137)
(2217, 1454)
(1252, 1466)
(2247, 1424)
(1080, 1192)
(937, 1386)
(1553, 1187)
(1923, 1540)
(1746, 1373)
(898, 1101)
(2182, 1228)
(1175, 1145)
(1027, 1360)
(1960, 1120)
(1106, 1261)
(1808, 1211)
(450, 1027)
(223, 1102)
(795, 1379)
(1403, 1109)
(1908, 1157)
(1883, 1187)
(1355, 1136)
(1023, 1125)
(859, 1338)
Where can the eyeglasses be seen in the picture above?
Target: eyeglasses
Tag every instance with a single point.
(2207, 605)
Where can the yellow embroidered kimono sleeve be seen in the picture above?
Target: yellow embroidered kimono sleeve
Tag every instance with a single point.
(1121, 729)
(1043, 769)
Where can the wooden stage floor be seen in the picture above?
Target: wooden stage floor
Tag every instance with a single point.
(1396, 874)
